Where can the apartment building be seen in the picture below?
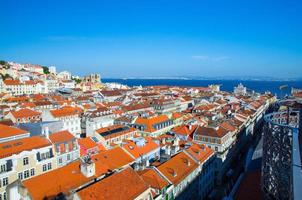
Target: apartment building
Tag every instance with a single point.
(17, 87)
(96, 119)
(114, 134)
(24, 116)
(70, 116)
(24, 158)
(143, 149)
(153, 126)
(65, 146)
(65, 181)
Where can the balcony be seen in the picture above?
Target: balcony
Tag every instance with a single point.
(281, 165)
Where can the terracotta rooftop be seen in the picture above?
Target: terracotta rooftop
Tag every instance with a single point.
(61, 136)
(70, 177)
(200, 152)
(7, 122)
(65, 111)
(9, 131)
(126, 185)
(228, 126)
(11, 82)
(178, 168)
(150, 122)
(186, 130)
(87, 143)
(59, 180)
(114, 131)
(25, 144)
(211, 132)
(110, 93)
(136, 151)
(152, 177)
(23, 113)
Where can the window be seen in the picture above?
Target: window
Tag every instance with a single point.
(2, 168)
(44, 168)
(60, 160)
(5, 181)
(49, 166)
(45, 155)
(20, 175)
(68, 157)
(25, 161)
(32, 172)
(26, 174)
(216, 148)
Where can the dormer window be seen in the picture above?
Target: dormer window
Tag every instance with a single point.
(186, 161)
(172, 172)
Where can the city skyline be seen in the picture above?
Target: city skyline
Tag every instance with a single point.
(157, 39)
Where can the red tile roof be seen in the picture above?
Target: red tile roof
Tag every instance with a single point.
(61, 136)
(150, 122)
(152, 177)
(186, 130)
(207, 131)
(87, 143)
(200, 152)
(126, 185)
(65, 111)
(178, 168)
(228, 126)
(70, 177)
(25, 144)
(138, 151)
(9, 131)
(24, 113)
(11, 82)
(116, 133)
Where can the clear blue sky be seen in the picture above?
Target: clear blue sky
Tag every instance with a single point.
(156, 37)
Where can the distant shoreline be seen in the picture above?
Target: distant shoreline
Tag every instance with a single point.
(260, 86)
(207, 79)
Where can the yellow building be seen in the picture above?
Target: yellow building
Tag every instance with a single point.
(23, 159)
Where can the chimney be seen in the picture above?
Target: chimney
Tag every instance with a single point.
(176, 141)
(87, 166)
(45, 131)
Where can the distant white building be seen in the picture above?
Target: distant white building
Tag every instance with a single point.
(116, 86)
(17, 87)
(240, 90)
(52, 84)
(2, 88)
(52, 70)
(67, 84)
(64, 75)
(70, 117)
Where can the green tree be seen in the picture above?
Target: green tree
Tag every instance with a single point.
(2, 62)
(5, 76)
(77, 80)
(46, 70)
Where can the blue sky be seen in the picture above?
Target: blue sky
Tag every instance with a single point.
(156, 38)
